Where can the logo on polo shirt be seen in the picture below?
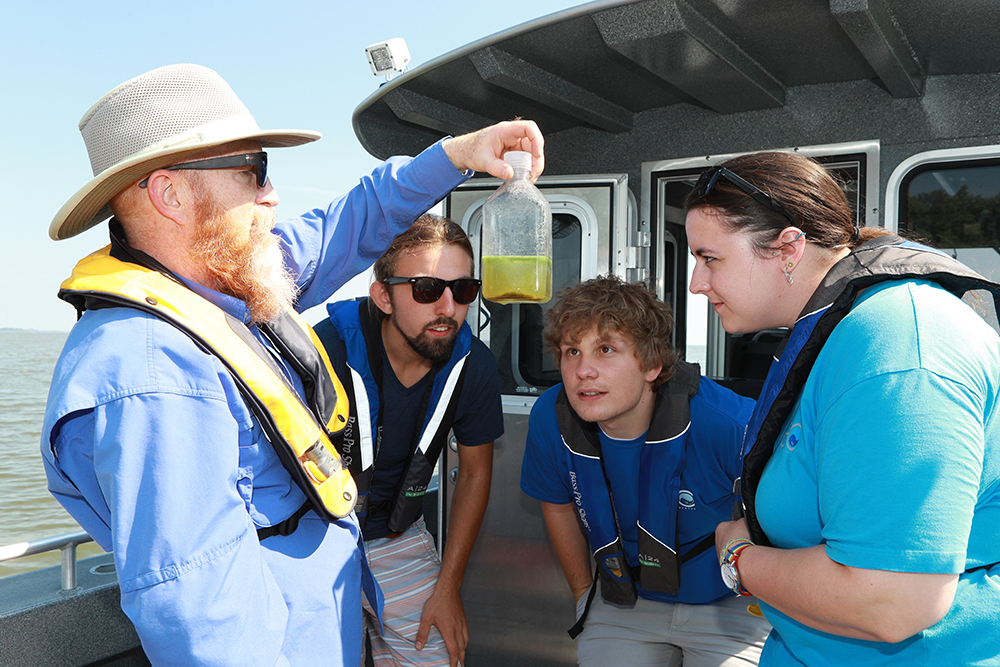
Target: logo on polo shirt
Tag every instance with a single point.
(685, 499)
(791, 437)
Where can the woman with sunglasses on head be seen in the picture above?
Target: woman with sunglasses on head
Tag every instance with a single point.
(871, 481)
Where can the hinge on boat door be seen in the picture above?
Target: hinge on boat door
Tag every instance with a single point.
(637, 259)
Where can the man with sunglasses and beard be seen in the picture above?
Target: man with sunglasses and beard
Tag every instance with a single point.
(415, 373)
(192, 419)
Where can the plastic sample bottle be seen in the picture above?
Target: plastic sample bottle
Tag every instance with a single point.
(517, 239)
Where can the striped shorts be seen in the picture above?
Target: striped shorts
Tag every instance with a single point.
(406, 569)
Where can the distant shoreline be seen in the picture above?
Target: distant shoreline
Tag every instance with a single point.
(45, 331)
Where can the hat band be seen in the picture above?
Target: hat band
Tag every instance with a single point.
(231, 128)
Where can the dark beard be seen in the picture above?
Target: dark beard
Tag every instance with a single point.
(437, 351)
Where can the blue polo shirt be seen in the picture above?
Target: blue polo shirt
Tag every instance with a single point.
(712, 462)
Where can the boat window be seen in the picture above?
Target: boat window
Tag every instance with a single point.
(955, 207)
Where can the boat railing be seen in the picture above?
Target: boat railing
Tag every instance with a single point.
(66, 544)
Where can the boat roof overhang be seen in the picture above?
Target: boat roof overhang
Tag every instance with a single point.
(600, 71)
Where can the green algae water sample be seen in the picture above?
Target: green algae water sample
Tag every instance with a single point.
(517, 279)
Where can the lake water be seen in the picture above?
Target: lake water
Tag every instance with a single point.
(27, 510)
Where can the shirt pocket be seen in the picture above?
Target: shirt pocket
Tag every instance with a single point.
(267, 489)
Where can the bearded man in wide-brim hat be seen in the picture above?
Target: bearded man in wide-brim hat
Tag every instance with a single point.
(192, 423)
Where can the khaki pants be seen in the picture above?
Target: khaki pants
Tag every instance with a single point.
(659, 634)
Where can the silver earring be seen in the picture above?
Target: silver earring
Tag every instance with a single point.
(788, 275)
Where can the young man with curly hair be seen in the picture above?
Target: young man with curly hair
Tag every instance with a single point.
(634, 457)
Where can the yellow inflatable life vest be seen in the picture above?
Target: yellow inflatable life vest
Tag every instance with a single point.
(301, 434)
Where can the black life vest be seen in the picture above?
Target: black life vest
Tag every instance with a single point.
(881, 259)
(662, 459)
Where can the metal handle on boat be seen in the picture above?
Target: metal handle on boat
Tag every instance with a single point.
(66, 544)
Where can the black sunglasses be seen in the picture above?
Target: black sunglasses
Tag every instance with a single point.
(711, 177)
(256, 161)
(429, 290)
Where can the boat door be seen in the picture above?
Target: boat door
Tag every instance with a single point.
(516, 599)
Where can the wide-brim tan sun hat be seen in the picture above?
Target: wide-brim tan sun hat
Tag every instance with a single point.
(153, 121)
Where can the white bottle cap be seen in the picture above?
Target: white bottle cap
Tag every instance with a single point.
(518, 159)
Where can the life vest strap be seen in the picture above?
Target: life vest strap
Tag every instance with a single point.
(578, 626)
(982, 567)
(286, 527)
(696, 550)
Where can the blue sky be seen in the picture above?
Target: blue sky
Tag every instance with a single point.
(295, 64)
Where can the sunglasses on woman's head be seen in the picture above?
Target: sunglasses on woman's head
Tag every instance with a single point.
(256, 161)
(710, 178)
(428, 290)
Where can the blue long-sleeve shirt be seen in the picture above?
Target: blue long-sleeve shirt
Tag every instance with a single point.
(148, 443)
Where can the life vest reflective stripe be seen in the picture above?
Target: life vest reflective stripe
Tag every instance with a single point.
(301, 437)
(881, 259)
(360, 334)
(661, 464)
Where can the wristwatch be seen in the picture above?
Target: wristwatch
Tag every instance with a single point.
(730, 573)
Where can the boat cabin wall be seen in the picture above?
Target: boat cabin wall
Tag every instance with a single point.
(953, 112)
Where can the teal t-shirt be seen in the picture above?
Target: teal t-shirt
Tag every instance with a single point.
(892, 460)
